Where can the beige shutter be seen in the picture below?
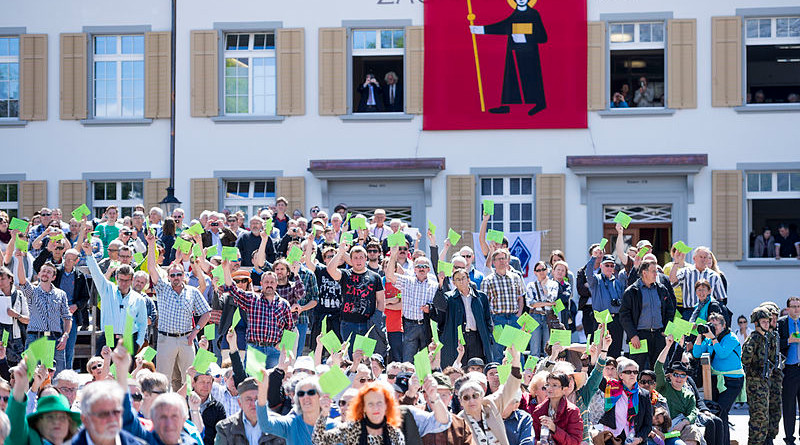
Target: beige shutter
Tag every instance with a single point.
(682, 64)
(332, 71)
(415, 68)
(290, 43)
(157, 64)
(33, 77)
(461, 208)
(596, 66)
(550, 197)
(293, 188)
(205, 74)
(71, 194)
(726, 61)
(205, 192)
(726, 214)
(73, 76)
(32, 197)
(154, 191)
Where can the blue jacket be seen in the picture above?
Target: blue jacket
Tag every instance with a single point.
(519, 428)
(604, 289)
(125, 438)
(130, 423)
(726, 355)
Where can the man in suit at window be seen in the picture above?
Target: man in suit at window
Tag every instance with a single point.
(371, 95)
(393, 95)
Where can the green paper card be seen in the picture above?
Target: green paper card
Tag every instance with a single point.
(488, 207)
(268, 227)
(211, 251)
(331, 342)
(209, 331)
(494, 235)
(672, 434)
(346, 219)
(113, 370)
(127, 335)
(31, 362)
(44, 350)
(182, 245)
(5, 338)
(287, 340)
(680, 328)
(588, 342)
(324, 325)
(603, 243)
(196, 229)
(681, 247)
(558, 307)
(435, 332)
(80, 212)
(446, 268)
(202, 359)
(453, 236)
(396, 239)
(503, 371)
(347, 238)
(597, 336)
(513, 336)
(334, 381)
(138, 257)
(256, 361)
(642, 347)
(365, 344)
(603, 317)
(295, 253)
(531, 362)
(431, 227)
(188, 385)
(230, 253)
(562, 336)
(422, 364)
(219, 274)
(528, 323)
(18, 224)
(359, 223)
(197, 250)
(147, 354)
(461, 339)
(57, 237)
(497, 332)
(643, 252)
(109, 332)
(21, 245)
(237, 317)
(623, 219)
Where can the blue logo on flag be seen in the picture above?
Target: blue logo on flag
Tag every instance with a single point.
(519, 250)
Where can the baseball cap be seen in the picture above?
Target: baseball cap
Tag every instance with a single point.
(643, 243)
(608, 259)
(475, 361)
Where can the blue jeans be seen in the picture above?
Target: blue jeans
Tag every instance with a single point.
(396, 344)
(273, 354)
(502, 320)
(60, 357)
(540, 336)
(302, 329)
(70, 349)
(413, 340)
(348, 328)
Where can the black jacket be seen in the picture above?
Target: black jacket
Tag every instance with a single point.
(583, 290)
(783, 332)
(643, 422)
(212, 414)
(227, 238)
(80, 296)
(631, 307)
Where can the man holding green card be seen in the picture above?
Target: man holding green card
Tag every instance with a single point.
(607, 286)
(506, 292)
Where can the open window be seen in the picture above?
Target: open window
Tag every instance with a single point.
(773, 199)
(378, 53)
(772, 60)
(637, 68)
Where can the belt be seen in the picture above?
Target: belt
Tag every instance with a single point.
(414, 321)
(174, 335)
(56, 334)
(651, 330)
(262, 343)
(470, 332)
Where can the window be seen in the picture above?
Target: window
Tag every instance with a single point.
(118, 76)
(376, 53)
(637, 62)
(773, 60)
(9, 78)
(513, 203)
(124, 194)
(249, 196)
(250, 74)
(773, 198)
(9, 199)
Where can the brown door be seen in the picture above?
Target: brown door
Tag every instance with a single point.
(659, 234)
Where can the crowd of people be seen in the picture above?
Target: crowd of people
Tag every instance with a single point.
(341, 329)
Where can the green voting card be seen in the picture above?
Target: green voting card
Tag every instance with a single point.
(219, 274)
(643, 252)
(334, 381)
(365, 344)
(44, 350)
(209, 331)
(494, 235)
(109, 333)
(623, 219)
(558, 307)
(138, 258)
(230, 253)
(603, 243)
(453, 236)
(331, 342)
(288, 340)
(147, 354)
(531, 362)
(497, 332)
(431, 227)
(603, 316)
(80, 212)
(461, 339)
(528, 323)
(488, 207)
(21, 245)
(256, 361)
(237, 317)
(681, 247)
(396, 239)
(359, 223)
(127, 335)
(513, 336)
(182, 245)
(445, 267)
(5, 338)
(503, 371)
(642, 347)
(196, 229)
(561, 336)
(422, 364)
(202, 359)
(18, 224)
(197, 250)
(211, 251)
(347, 238)
(295, 253)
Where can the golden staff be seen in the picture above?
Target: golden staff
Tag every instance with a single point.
(471, 18)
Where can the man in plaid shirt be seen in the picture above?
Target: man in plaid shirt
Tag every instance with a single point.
(506, 292)
(268, 314)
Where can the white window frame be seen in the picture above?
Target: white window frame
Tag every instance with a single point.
(379, 50)
(250, 54)
(11, 59)
(773, 38)
(250, 205)
(636, 43)
(774, 193)
(119, 58)
(506, 199)
(7, 206)
(100, 205)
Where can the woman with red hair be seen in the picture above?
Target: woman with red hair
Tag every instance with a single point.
(373, 419)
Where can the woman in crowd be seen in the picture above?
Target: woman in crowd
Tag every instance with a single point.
(558, 419)
(706, 303)
(629, 413)
(297, 426)
(564, 278)
(168, 238)
(541, 296)
(764, 244)
(373, 418)
(5, 233)
(743, 331)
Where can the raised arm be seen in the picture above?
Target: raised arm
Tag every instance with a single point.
(619, 247)
(482, 235)
(391, 267)
(678, 263)
(152, 266)
(333, 266)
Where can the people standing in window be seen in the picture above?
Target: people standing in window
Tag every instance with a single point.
(371, 95)
(787, 243)
(644, 96)
(393, 97)
(618, 101)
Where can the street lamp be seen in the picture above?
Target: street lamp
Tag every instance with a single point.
(170, 202)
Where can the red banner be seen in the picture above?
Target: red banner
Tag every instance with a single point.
(531, 58)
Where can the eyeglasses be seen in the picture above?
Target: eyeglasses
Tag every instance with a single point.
(177, 274)
(608, 264)
(646, 382)
(402, 249)
(421, 266)
(362, 380)
(103, 415)
(541, 269)
(466, 256)
(137, 397)
(4, 398)
(242, 280)
(373, 251)
(60, 248)
(310, 393)
(678, 376)
(156, 392)
(45, 214)
(630, 371)
(95, 367)
(391, 376)
(474, 396)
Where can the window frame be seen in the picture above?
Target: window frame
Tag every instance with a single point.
(250, 54)
(6, 206)
(119, 59)
(120, 203)
(10, 32)
(250, 202)
(507, 199)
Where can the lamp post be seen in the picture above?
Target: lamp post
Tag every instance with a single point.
(170, 202)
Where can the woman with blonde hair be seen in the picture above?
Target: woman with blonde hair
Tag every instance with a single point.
(373, 418)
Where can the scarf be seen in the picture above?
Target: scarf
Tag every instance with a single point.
(614, 390)
(362, 438)
(482, 436)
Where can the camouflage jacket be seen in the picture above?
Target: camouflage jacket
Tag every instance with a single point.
(755, 355)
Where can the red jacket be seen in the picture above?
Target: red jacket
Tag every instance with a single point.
(569, 426)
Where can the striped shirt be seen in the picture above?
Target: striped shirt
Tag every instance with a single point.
(175, 310)
(542, 294)
(266, 319)
(114, 307)
(47, 308)
(228, 401)
(293, 292)
(503, 291)
(415, 294)
(689, 275)
(312, 292)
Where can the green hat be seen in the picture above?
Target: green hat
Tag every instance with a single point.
(49, 404)
(758, 313)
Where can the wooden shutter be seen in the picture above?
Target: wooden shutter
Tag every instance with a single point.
(154, 191)
(290, 43)
(415, 68)
(157, 71)
(682, 70)
(332, 71)
(550, 209)
(32, 197)
(205, 74)
(33, 77)
(73, 99)
(71, 194)
(205, 195)
(461, 208)
(596, 66)
(293, 188)
(726, 61)
(726, 214)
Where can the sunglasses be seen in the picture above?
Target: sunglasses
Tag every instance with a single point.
(362, 380)
(421, 266)
(391, 376)
(174, 275)
(310, 392)
(402, 249)
(242, 280)
(373, 251)
(474, 396)
(646, 382)
(343, 402)
(539, 270)
(158, 393)
(4, 398)
(95, 367)
(59, 248)
(45, 214)
(630, 371)
(466, 256)
(102, 415)
(679, 376)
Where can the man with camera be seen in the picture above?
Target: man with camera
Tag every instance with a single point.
(618, 101)
(607, 287)
(726, 363)
(216, 234)
(371, 95)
